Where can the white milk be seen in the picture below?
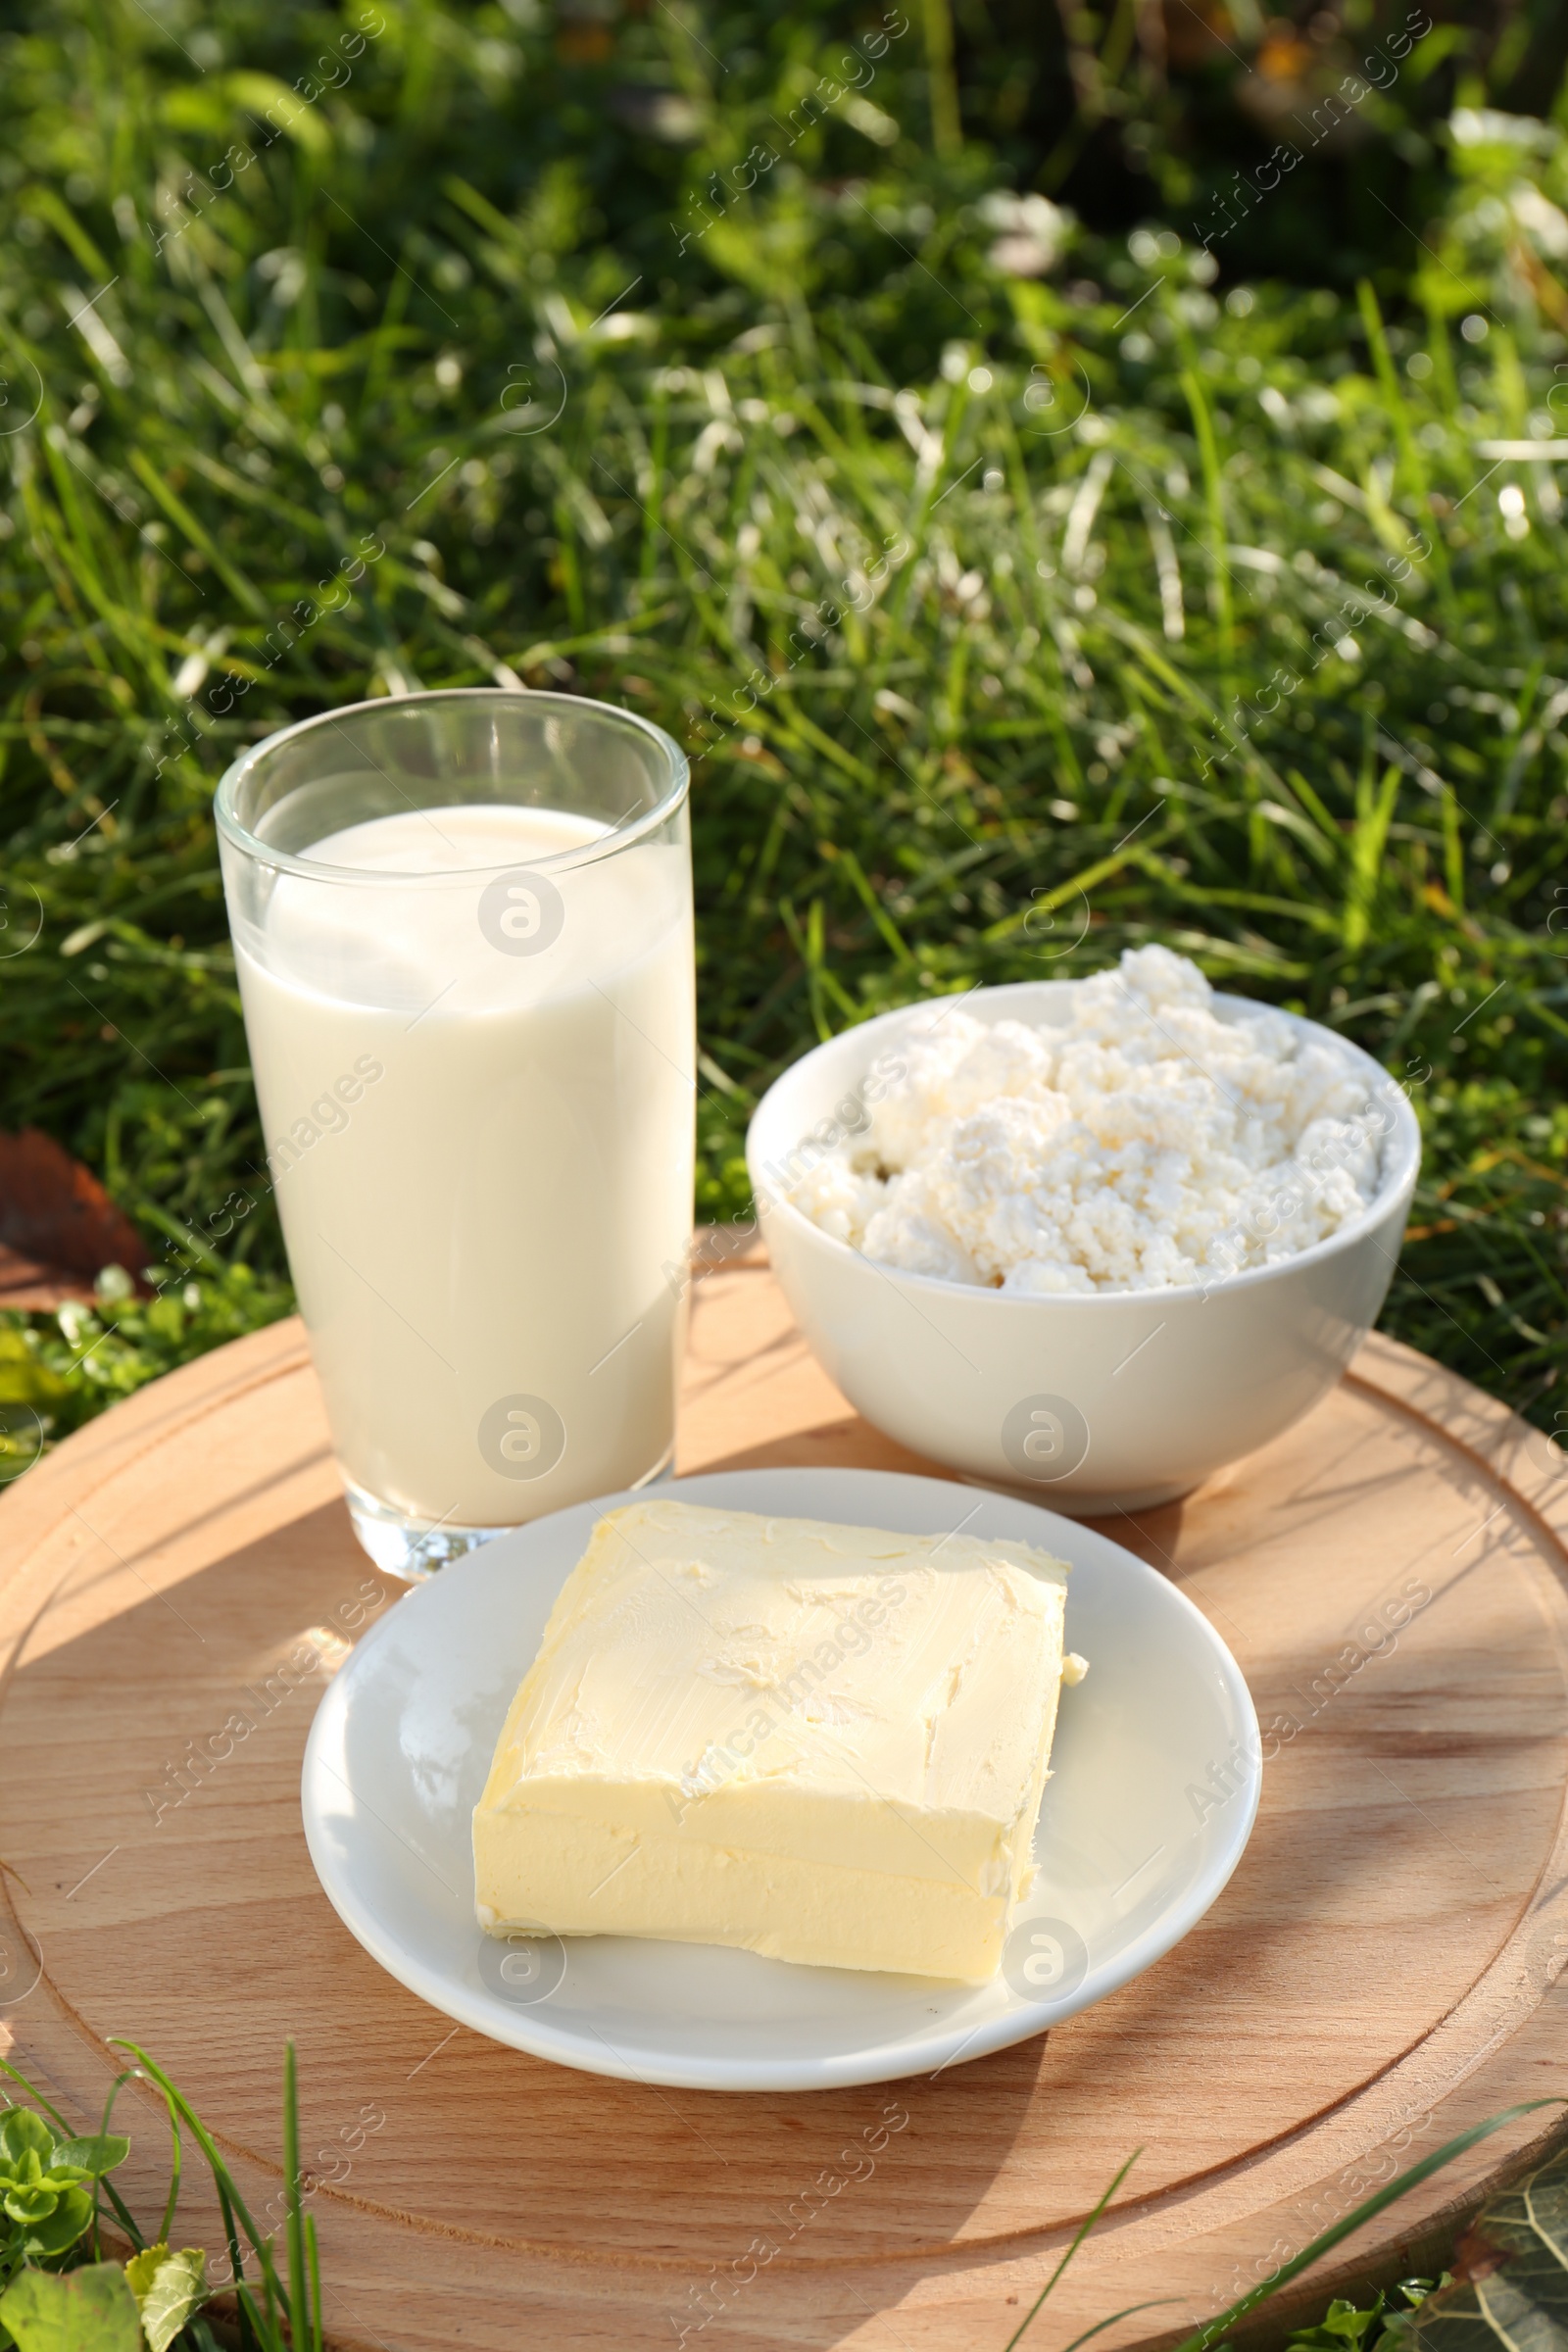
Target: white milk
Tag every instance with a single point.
(482, 1154)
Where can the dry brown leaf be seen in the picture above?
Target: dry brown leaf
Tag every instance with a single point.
(58, 1226)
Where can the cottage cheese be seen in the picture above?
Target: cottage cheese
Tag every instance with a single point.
(1145, 1144)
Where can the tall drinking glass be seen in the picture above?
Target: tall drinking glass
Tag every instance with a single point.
(464, 929)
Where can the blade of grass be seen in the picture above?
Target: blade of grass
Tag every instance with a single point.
(1373, 817)
(291, 2184)
(879, 914)
(947, 136)
(166, 2225)
(1155, 2303)
(314, 2262)
(236, 2266)
(1049, 900)
(122, 2213)
(1411, 463)
(1214, 509)
(1084, 2228)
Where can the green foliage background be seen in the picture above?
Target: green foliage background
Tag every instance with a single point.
(1209, 613)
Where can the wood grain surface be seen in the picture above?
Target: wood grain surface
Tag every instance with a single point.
(1381, 1973)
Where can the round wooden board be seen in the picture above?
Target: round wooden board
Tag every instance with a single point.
(1379, 1975)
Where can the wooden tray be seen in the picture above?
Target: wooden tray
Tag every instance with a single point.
(1378, 1976)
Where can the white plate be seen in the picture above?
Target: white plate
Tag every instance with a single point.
(1135, 1840)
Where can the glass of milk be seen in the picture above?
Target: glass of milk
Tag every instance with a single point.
(463, 923)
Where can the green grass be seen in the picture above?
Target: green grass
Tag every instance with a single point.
(1062, 720)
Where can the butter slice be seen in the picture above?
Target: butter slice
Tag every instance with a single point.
(823, 1743)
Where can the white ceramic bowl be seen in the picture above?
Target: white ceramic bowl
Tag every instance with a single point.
(1109, 1400)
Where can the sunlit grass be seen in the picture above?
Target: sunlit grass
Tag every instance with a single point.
(1013, 620)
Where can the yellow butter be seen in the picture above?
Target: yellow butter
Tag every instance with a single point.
(824, 1744)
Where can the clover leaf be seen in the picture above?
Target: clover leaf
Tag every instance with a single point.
(40, 2181)
(19, 2130)
(62, 2227)
(92, 2157)
(24, 2192)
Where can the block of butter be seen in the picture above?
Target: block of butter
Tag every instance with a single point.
(825, 1743)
